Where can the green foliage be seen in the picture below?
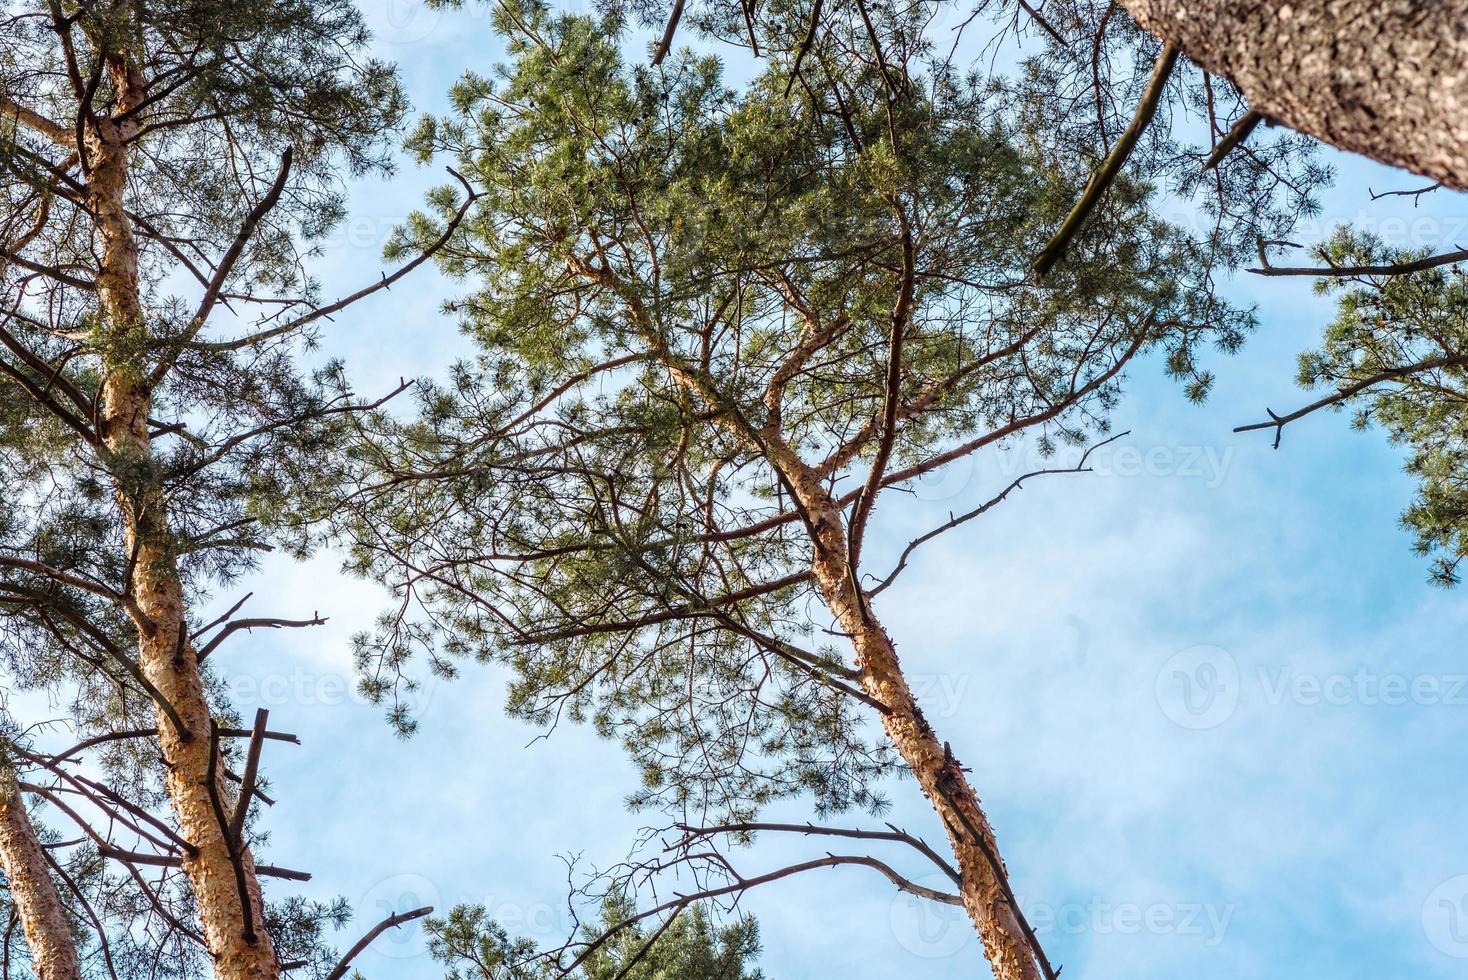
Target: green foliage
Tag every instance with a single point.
(243, 429)
(693, 948)
(475, 947)
(719, 268)
(240, 429)
(1406, 337)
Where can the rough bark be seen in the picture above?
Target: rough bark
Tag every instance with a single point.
(165, 654)
(28, 876)
(1009, 951)
(938, 774)
(1384, 78)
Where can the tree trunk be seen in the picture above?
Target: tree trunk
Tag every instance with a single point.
(34, 894)
(941, 777)
(1384, 78)
(938, 773)
(237, 939)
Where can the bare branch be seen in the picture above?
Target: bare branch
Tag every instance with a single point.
(1278, 422)
(258, 623)
(891, 834)
(1342, 271)
(226, 266)
(385, 282)
(666, 42)
(340, 970)
(987, 505)
(1237, 134)
(247, 782)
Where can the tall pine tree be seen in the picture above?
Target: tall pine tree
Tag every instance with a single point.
(719, 332)
(164, 168)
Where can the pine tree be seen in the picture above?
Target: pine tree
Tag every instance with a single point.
(33, 890)
(692, 947)
(166, 167)
(1397, 356)
(718, 329)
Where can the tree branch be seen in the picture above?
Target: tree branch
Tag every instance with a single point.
(1055, 250)
(340, 970)
(1343, 271)
(1278, 422)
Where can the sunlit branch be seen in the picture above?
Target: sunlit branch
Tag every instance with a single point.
(340, 970)
(1278, 422)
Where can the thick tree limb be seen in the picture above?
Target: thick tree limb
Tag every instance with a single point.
(1237, 134)
(1055, 249)
(174, 861)
(247, 781)
(247, 928)
(1346, 271)
(33, 120)
(665, 44)
(1384, 78)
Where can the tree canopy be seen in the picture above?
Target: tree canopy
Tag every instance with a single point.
(719, 328)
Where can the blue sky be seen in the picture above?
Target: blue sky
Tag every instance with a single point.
(1216, 713)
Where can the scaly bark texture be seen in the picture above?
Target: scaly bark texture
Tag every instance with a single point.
(165, 654)
(1384, 78)
(940, 776)
(28, 876)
